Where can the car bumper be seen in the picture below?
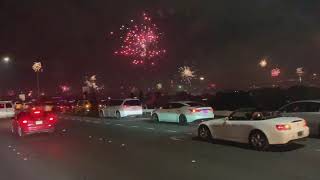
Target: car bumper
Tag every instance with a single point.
(131, 113)
(192, 118)
(42, 129)
(289, 136)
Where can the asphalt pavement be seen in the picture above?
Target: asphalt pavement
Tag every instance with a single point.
(86, 148)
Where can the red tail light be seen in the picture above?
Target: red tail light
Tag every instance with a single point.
(305, 123)
(24, 121)
(36, 112)
(283, 127)
(195, 110)
(51, 119)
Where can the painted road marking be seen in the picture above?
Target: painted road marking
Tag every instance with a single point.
(171, 131)
(134, 126)
(150, 128)
(175, 138)
(119, 124)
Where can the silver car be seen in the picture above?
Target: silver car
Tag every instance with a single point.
(309, 110)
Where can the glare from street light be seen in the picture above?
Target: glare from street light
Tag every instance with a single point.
(6, 59)
(201, 78)
(263, 63)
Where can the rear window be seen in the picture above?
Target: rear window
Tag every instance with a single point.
(1, 106)
(8, 105)
(115, 102)
(195, 104)
(132, 103)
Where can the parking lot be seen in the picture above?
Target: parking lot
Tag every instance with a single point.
(96, 148)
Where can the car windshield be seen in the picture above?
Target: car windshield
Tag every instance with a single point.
(253, 114)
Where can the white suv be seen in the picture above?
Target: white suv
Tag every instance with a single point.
(121, 108)
(6, 109)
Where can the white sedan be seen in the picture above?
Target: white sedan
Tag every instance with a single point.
(182, 112)
(259, 129)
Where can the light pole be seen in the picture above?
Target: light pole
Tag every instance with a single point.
(37, 68)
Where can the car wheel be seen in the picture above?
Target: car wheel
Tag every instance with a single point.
(20, 132)
(259, 141)
(182, 119)
(155, 118)
(204, 133)
(118, 115)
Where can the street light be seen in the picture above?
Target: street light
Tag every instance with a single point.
(6, 59)
(201, 78)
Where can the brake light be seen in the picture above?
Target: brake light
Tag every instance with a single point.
(283, 127)
(24, 121)
(195, 110)
(36, 112)
(51, 119)
(305, 123)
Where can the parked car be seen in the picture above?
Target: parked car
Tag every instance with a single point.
(121, 108)
(6, 109)
(82, 106)
(182, 112)
(33, 121)
(257, 128)
(308, 110)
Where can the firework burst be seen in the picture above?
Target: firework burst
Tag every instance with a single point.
(139, 41)
(187, 74)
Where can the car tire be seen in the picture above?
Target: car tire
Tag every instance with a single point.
(258, 141)
(118, 115)
(155, 118)
(204, 133)
(182, 119)
(20, 132)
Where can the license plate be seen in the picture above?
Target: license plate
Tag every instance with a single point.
(300, 133)
(39, 122)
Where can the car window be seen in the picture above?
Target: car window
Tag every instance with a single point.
(1, 106)
(295, 107)
(176, 105)
(132, 103)
(8, 105)
(312, 107)
(115, 102)
(240, 115)
(195, 104)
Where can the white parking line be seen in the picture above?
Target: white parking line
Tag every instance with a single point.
(150, 128)
(171, 131)
(119, 124)
(175, 138)
(133, 126)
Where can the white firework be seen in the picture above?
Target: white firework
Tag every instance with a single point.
(187, 74)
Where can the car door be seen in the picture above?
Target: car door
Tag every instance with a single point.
(2, 110)
(235, 128)
(9, 110)
(164, 112)
(175, 111)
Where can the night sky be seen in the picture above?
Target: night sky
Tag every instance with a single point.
(222, 39)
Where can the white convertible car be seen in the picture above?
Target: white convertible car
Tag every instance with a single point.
(259, 129)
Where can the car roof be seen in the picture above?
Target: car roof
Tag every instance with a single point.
(5, 102)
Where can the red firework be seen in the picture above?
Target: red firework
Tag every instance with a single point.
(140, 42)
